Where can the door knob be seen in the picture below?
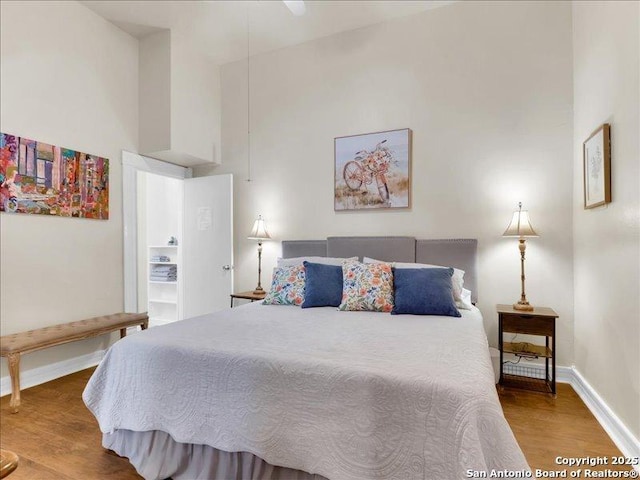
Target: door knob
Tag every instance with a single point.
(227, 267)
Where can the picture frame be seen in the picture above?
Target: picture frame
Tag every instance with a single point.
(596, 163)
(373, 170)
(44, 179)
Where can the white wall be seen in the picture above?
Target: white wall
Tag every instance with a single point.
(154, 91)
(195, 102)
(70, 78)
(179, 101)
(487, 90)
(606, 58)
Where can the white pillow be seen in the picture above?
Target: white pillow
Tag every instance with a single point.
(457, 280)
(465, 302)
(291, 262)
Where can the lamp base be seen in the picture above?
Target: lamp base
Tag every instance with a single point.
(259, 290)
(523, 306)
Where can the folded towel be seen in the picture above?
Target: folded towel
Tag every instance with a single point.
(164, 270)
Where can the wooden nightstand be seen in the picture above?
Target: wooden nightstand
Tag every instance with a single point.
(248, 296)
(541, 321)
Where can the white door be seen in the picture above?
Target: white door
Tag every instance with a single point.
(207, 244)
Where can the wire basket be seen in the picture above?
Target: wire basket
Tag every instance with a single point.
(523, 376)
(523, 371)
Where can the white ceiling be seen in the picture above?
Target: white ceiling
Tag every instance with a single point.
(219, 28)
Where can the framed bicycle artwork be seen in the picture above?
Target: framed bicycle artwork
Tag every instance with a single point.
(373, 170)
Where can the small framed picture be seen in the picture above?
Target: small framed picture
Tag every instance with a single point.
(597, 167)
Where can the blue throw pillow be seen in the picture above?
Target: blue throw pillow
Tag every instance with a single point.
(323, 285)
(424, 291)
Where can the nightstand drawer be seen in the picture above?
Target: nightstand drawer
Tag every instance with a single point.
(531, 324)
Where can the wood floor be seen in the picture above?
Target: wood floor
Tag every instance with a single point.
(57, 438)
(548, 427)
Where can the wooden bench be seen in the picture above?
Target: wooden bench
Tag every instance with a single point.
(12, 346)
(8, 463)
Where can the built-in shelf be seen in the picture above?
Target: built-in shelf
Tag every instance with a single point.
(164, 295)
(162, 300)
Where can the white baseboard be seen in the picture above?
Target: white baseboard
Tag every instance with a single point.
(618, 431)
(628, 444)
(46, 373)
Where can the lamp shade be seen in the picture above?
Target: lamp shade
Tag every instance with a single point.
(259, 230)
(520, 225)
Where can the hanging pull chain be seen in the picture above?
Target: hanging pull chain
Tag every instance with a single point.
(248, 99)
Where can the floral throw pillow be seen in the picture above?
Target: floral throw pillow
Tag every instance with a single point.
(287, 286)
(367, 287)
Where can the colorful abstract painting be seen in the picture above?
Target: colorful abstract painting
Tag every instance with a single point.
(36, 177)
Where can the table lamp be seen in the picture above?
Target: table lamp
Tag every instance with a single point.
(259, 233)
(521, 227)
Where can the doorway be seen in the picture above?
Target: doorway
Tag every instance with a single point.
(178, 244)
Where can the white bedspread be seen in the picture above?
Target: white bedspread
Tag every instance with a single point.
(348, 395)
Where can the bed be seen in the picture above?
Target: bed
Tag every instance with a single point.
(276, 392)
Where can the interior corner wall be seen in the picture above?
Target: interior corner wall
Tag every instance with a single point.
(179, 101)
(68, 78)
(486, 88)
(606, 241)
(154, 92)
(195, 102)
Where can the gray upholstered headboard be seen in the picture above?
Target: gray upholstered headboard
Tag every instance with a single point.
(459, 253)
(304, 248)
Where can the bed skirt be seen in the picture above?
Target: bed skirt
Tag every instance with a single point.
(157, 456)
